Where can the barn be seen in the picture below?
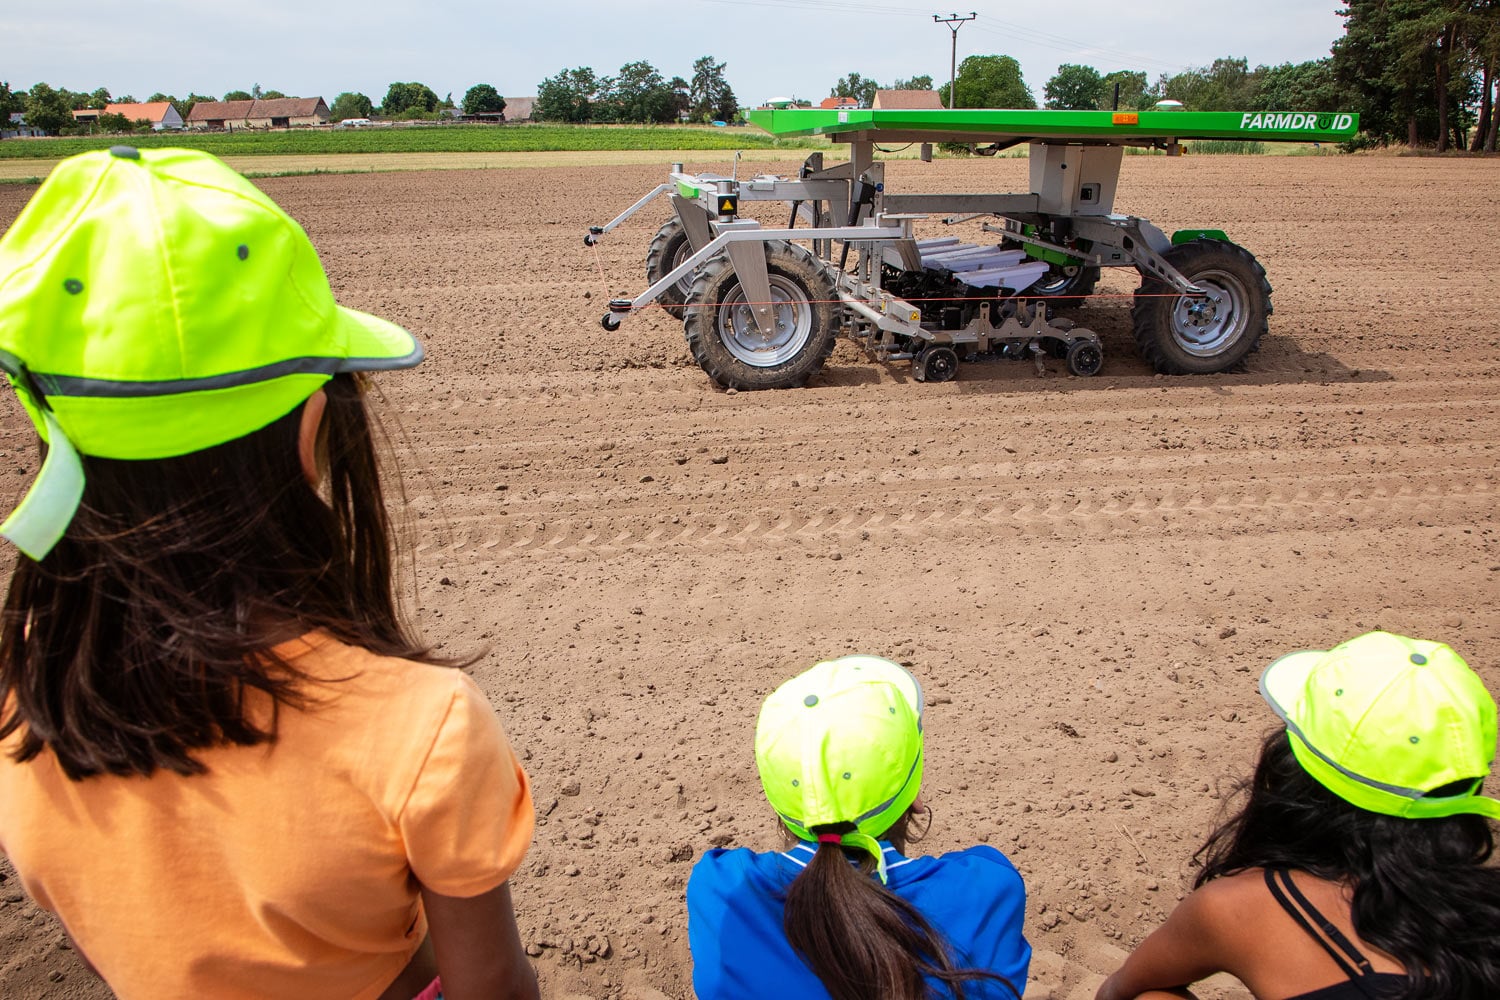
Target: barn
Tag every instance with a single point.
(280, 112)
(161, 114)
(286, 112)
(219, 114)
(518, 109)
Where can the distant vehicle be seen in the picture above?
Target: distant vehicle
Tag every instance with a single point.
(355, 123)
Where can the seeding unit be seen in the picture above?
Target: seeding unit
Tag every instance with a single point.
(761, 307)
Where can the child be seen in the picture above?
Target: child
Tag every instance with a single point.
(845, 914)
(1356, 867)
(225, 763)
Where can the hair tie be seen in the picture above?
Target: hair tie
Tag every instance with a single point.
(830, 838)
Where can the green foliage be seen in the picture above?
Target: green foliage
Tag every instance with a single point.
(1226, 85)
(1415, 67)
(710, 98)
(915, 83)
(989, 82)
(567, 97)
(238, 95)
(271, 95)
(1075, 88)
(48, 109)
(482, 98)
(10, 103)
(857, 87)
(350, 104)
(403, 98)
(118, 123)
(1307, 86)
(100, 98)
(420, 139)
(1132, 90)
(1227, 147)
(638, 94)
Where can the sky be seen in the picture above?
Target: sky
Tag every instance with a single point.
(772, 48)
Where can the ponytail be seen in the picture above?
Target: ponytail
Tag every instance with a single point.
(863, 941)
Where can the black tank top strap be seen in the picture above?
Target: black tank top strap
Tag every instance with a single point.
(1351, 960)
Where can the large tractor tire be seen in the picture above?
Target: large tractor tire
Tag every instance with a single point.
(1200, 335)
(723, 336)
(1068, 286)
(669, 248)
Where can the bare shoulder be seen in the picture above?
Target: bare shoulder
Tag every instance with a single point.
(1231, 905)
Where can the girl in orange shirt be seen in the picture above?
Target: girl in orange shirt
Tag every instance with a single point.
(225, 762)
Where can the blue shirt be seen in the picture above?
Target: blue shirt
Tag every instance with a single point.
(974, 898)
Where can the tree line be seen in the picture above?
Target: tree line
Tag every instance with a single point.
(51, 108)
(1423, 72)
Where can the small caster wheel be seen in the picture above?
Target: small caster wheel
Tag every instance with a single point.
(590, 239)
(1085, 358)
(935, 364)
(610, 322)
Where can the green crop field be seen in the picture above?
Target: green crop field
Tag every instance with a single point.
(432, 139)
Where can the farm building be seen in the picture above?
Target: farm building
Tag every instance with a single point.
(219, 114)
(518, 109)
(16, 128)
(907, 100)
(838, 102)
(281, 112)
(161, 114)
(284, 112)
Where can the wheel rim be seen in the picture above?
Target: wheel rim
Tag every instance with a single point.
(1204, 326)
(683, 252)
(1087, 359)
(791, 329)
(940, 365)
(1057, 280)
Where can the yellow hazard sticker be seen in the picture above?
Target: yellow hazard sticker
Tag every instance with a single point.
(728, 204)
(1126, 118)
(915, 316)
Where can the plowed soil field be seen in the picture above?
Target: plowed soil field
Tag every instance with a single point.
(1087, 574)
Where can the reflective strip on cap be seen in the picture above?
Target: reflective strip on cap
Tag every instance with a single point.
(103, 388)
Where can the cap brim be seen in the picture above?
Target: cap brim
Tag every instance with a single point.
(373, 344)
(43, 515)
(1282, 683)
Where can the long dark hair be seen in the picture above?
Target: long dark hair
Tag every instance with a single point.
(861, 940)
(138, 638)
(1423, 892)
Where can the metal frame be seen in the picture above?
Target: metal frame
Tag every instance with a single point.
(1067, 218)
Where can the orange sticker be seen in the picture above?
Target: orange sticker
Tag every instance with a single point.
(1126, 118)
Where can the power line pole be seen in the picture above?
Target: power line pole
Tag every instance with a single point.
(954, 22)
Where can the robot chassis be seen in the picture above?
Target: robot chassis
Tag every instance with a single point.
(761, 311)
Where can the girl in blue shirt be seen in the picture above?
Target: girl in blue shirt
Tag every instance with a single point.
(845, 914)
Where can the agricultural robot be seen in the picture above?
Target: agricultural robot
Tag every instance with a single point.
(761, 307)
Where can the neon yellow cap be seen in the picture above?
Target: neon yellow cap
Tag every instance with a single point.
(842, 743)
(1385, 721)
(154, 303)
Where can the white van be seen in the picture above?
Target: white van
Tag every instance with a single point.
(354, 123)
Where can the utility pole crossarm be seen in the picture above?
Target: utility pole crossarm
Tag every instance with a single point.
(954, 22)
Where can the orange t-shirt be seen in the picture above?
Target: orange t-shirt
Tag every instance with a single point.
(290, 869)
